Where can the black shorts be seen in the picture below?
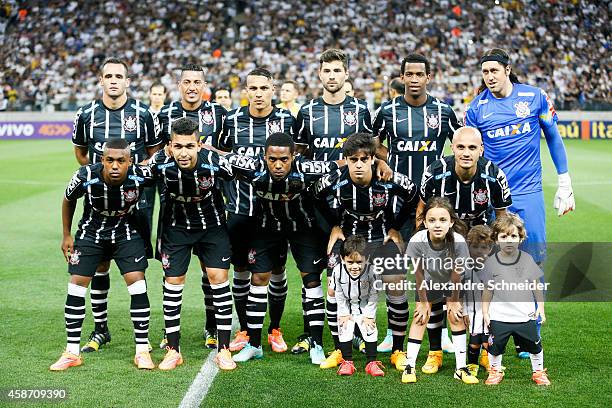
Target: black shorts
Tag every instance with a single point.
(526, 334)
(241, 229)
(211, 245)
(129, 255)
(307, 248)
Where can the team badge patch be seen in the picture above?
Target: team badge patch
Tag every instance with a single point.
(130, 195)
(129, 123)
(204, 183)
(332, 260)
(275, 127)
(350, 118)
(432, 121)
(481, 196)
(74, 257)
(207, 117)
(522, 109)
(165, 261)
(251, 256)
(379, 199)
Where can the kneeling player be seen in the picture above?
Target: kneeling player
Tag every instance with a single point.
(512, 312)
(111, 190)
(354, 284)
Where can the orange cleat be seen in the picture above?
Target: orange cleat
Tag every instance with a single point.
(275, 339)
(224, 360)
(171, 360)
(495, 377)
(241, 340)
(346, 368)
(66, 361)
(374, 368)
(540, 377)
(143, 360)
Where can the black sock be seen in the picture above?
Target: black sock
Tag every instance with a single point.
(209, 307)
(370, 348)
(346, 348)
(435, 325)
(473, 354)
(397, 318)
(277, 295)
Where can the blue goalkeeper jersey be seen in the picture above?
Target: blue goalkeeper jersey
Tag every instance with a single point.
(511, 129)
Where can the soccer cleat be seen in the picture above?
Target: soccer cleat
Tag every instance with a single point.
(495, 377)
(143, 361)
(333, 360)
(171, 360)
(247, 353)
(387, 344)
(464, 375)
(317, 356)
(164, 343)
(224, 360)
(447, 343)
(540, 377)
(409, 375)
(484, 359)
(433, 363)
(473, 369)
(399, 360)
(241, 340)
(303, 344)
(359, 344)
(346, 368)
(96, 339)
(275, 339)
(65, 361)
(210, 339)
(374, 368)
(523, 355)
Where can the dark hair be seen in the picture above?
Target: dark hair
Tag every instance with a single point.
(480, 234)
(334, 54)
(292, 82)
(359, 141)
(458, 225)
(154, 84)
(415, 58)
(261, 72)
(280, 139)
(501, 53)
(114, 60)
(184, 127)
(353, 244)
(192, 67)
(397, 85)
(119, 144)
(222, 89)
(505, 222)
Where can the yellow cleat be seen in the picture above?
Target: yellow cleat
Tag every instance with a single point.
(433, 363)
(143, 360)
(464, 375)
(210, 339)
(409, 375)
(66, 361)
(333, 360)
(473, 369)
(484, 359)
(399, 360)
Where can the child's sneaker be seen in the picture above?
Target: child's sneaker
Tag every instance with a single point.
(484, 359)
(473, 369)
(399, 360)
(374, 368)
(387, 344)
(540, 377)
(433, 363)
(409, 375)
(346, 368)
(495, 377)
(464, 375)
(333, 360)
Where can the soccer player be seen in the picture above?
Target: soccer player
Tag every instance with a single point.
(289, 93)
(509, 312)
(193, 218)
(285, 216)
(114, 116)
(210, 118)
(224, 98)
(354, 284)
(439, 255)
(111, 189)
(321, 128)
(245, 133)
(363, 208)
(157, 97)
(415, 126)
(396, 88)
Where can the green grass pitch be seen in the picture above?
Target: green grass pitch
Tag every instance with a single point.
(33, 175)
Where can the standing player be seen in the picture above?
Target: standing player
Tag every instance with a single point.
(289, 93)
(114, 116)
(157, 97)
(111, 189)
(396, 88)
(512, 116)
(415, 126)
(210, 118)
(246, 130)
(224, 98)
(192, 219)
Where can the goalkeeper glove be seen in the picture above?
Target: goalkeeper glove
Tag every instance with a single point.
(564, 198)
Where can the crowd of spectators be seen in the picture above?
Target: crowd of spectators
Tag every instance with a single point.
(52, 49)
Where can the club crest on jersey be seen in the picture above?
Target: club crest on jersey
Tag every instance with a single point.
(275, 127)
(379, 199)
(251, 256)
(432, 121)
(74, 258)
(481, 196)
(207, 117)
(332, 260)
(165, 261)
(130, 195)
(350, 118)
(522, 109)
(204, 183)
(129, 123)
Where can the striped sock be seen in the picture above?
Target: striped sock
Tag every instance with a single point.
(140, 312)
(331, 309)
(100, 285)
(240, 289)
(257, 303)
(173, 299)
(222, 301)
(315, 310)
(74, 314)
(397, 317)
(277, 295)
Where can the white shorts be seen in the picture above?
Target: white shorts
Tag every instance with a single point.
(474, 312)
(345, 332)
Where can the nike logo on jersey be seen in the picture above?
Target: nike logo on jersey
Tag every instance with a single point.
(225, 259)
(98, 124)
(401, 120)
(242, 129)
(315, 119)
(487, 115)
(138, 259)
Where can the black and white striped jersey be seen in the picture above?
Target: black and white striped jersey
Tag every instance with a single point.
(192, 198)
(283, 205)
(415, 135)
(488, 187)
(247, 135)
(355, 295)
(106, 208)
(325, 128)
(365, 210)
(210, 118)
(95, 124)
